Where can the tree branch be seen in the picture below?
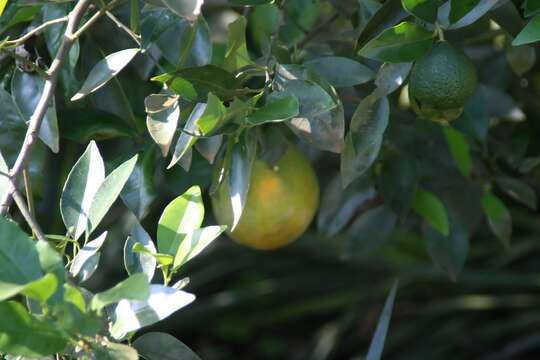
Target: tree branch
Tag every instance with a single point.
(36, 119)
(35, 31)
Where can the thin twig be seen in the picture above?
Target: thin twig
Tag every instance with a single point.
(118, 23)
(36, 229)
(95, 18)
(47, 95)
(29, 195)
(35, 31)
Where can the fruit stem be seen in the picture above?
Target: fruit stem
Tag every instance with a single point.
(440, 32)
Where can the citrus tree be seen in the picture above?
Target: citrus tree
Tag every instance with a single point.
(410, 121)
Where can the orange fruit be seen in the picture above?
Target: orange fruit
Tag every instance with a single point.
(280, 205)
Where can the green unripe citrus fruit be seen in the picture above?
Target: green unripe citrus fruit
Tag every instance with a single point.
(441, 83)
(280, 205)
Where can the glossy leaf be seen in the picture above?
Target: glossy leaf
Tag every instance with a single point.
(425, 10)
(529, 34)
(431, 208)
(189, 9)
(139, 262)
(162, 346)
(237, 55)
(275, 110)
(460, 8)
(134, 287)
(518, 190)
(108, 191)
(41, 289)
(133, 315)
(390, 77)
(183, 215)
(86, 261)
(80, 189)
(162, 117)
(340, 71)
(26, 90)
(195, 242)
(402, 43)
(498, 217)
(472, 15)
(186, 141)
(377, 342)
(104, 71)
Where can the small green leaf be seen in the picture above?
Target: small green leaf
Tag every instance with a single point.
(3, 4)
(162, 117)
(80, 188)
(183, 215)
(24, 335)
(459, 148)
(423, 9)
(162, 346)
(377, 342)
(530, 33)
(104, 71)
(139, 262)
(41, 289)
(85, 263)
(195, 242)
(405, 42)
(499, 218)
(275, 110)
(108, 191)
(134, 287)
(237, 55)
(340, 71)
(162, 259)
(133, 315)
(431, 208)
(186, 141)
(213, 115)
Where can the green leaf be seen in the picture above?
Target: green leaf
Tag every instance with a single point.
(85, 263)
(104, 71)
(188, 9)
(209, 147)
(370, 230)
(108, 191)
(390, 77)
(20, 261)
(237, 55)
(162, 117)
(275, 110)
(518, 190)
(387, 15)
(133, 315)
(431, 208)
(139, 262)
(340, 71)
(80, 189)
(405, 42)
(162, 259)
(195, 242)
(459, 148)
(24, 335)
(3, 4)
(242, 158)
(185, 141)
(213, 116)
(364, 139)
(423, 9)
(26, 90)
(398, 181)
(499, 218)
(41, 289)
(377, 342)
(532, 7)
(162, 346)
(460, 8)
(183, 215)
(134, 287)
(530, 33)
(195, 83)
(471, 16)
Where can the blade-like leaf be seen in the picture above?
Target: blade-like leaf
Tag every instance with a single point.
(162, 346)
(275, 110)
(340, 71)
(162, 117)
(104, 71)
(499, 218)
(162, 302)
(186, 141)
(529, 34)
(139, 262)
(183, 215)
(425, 10)
(134, 287)
(431, 208)
(195, 242)
(377, 342)
(459, 148)
(80, 188)
(236, 56)
(86, 261)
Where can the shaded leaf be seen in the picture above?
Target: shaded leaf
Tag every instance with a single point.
(86, 261)
(134, 287)
(377, 342)
(370, 230)
(390, 77)
(340, 71)
(518, 190)
(277, 109)
(185, 140)
(431, 208)
(459, 148)
(195, 242)
(499, 218)
(162, 346)
(163, 112)
(139, 262)
(236, 56)
(423, 9)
